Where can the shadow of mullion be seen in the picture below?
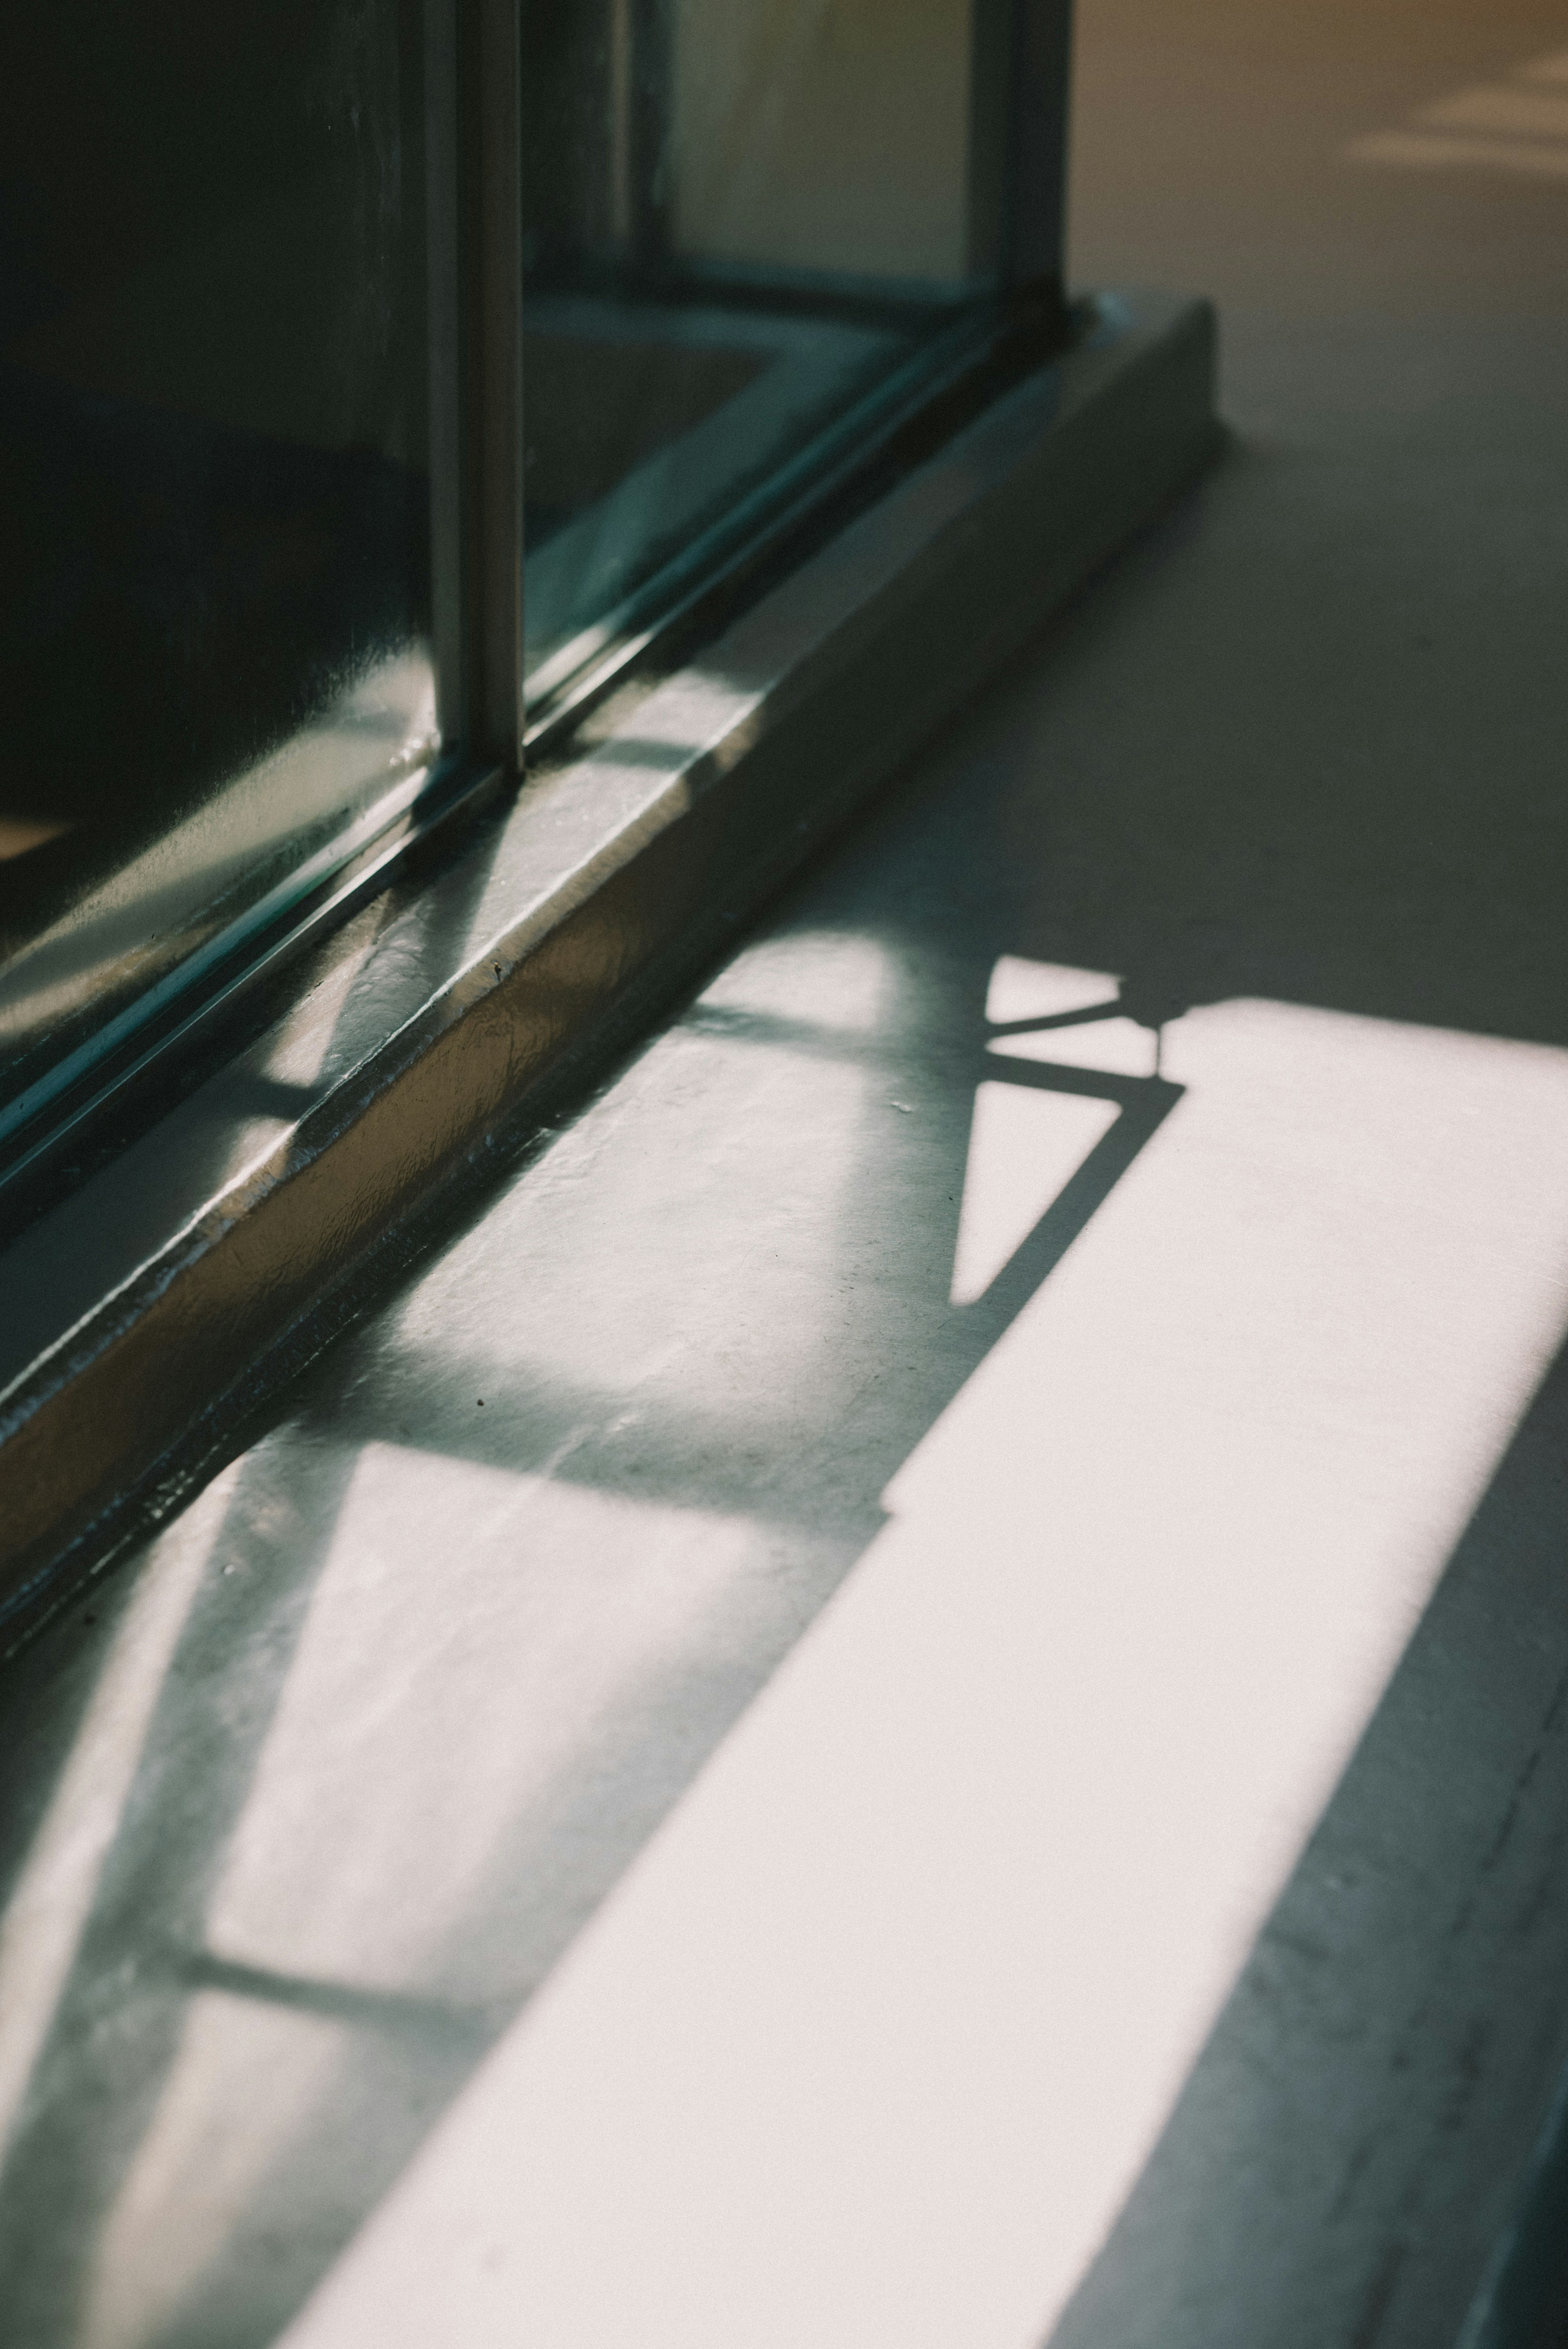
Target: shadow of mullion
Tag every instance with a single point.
(1147, 1101)
(1093, 1084)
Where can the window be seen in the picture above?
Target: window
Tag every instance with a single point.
(753, 233)
(314, 315)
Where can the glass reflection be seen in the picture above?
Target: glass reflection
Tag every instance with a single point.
(753, 229)
(213, 485)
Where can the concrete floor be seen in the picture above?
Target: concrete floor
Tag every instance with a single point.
(915, 1696)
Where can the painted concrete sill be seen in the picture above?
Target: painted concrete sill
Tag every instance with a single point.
(147, 1314)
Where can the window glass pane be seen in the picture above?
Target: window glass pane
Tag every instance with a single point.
(753, 229)
(213, 487)
(822, 138)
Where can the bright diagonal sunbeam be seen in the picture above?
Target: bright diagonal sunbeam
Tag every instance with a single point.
(53, 1896)
(871, 2043)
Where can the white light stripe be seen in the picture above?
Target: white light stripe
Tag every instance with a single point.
(52, 1896)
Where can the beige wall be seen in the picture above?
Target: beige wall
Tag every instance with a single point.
(823, 134)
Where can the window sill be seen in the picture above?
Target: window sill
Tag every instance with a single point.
(149, 1311)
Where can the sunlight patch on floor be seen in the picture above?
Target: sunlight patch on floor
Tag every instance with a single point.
(384, 1800)
(243, 2079)
(52, 1898)
(1522, 126)
(868, 2047)
(386, 1853)
(1023, 1147)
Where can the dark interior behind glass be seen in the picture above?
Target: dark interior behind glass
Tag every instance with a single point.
(214, 490)
(755, 236)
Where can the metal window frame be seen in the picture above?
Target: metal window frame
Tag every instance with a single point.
(1020, 79)
(473, 69)
(474, 65)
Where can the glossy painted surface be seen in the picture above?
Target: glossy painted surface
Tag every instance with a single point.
(213, 484)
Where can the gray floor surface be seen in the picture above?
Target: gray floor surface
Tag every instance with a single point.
(915, 1694)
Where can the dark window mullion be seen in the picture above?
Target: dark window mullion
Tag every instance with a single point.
(1033, 242)
(476, 372)
(648, 141)
(445, 310)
